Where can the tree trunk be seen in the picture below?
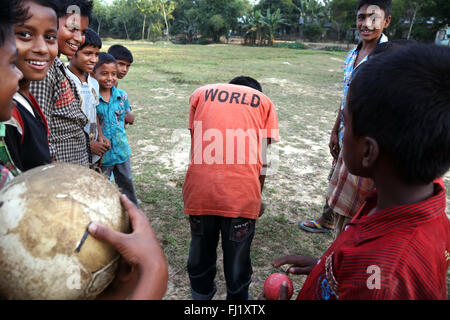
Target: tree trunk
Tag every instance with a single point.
(165, 20)
(126, 30)
(416, 8)
(143, 27)
(99, 25)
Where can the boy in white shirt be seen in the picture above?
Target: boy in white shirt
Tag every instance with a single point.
(80, 67)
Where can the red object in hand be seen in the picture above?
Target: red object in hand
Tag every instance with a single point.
(273, 284)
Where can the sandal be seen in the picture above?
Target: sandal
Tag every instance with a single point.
(317, 228)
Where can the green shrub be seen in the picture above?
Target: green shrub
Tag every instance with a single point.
(290, 45)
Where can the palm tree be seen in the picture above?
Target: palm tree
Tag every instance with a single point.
(271, 21)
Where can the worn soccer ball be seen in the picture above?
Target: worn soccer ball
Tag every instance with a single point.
(45, 249)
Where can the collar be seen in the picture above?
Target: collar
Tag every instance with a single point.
(115, 95)
(405, 216)
(383, 38)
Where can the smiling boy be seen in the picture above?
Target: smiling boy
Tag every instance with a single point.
(346, 192)
(80, 66)
(111, 114)
(57, 94)
(37, 47)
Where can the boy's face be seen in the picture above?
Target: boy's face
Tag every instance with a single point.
(11, 76)
(123, 67)
(36, 41)
(371, 20)
(106, 75)
(72, 29)
(86, 59)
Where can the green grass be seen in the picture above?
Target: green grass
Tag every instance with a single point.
(305, 86)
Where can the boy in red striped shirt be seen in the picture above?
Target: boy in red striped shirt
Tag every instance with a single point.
(397, 120)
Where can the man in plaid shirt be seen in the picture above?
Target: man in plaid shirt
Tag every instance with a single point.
(58, 95)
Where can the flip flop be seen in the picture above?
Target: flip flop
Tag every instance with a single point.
(318, 228)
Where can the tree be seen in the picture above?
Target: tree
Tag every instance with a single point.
(343, 15)
(101, 13)
(271, 21)
(217, 17)
(145, 7)
(167, 8)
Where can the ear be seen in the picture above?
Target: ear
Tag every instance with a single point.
(387, 22)
(371, 152)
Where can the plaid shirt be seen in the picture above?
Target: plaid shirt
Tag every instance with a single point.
(61, 105)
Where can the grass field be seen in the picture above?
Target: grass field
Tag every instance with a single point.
(305, 86)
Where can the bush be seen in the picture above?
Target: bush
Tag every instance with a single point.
(296, 45)
(313, 31)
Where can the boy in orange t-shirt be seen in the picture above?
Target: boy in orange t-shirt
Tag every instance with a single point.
(231, 126)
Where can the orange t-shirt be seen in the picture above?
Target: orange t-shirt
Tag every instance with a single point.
(228, 124)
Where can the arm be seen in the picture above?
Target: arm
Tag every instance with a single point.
(334, 138)
(101, 137)
(141, 253)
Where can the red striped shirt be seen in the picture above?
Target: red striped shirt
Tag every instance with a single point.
(396, 253)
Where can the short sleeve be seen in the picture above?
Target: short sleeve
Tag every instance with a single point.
(193, 103)
(271, 125)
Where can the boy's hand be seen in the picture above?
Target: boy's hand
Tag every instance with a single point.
(262, 209)
(334, 145)
(284, 292)
(129, 118)
(98, 148)
(299, 264)
(143, 272)
(105, 141)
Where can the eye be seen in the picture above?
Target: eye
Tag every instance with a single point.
(24, 34)
(51, 37)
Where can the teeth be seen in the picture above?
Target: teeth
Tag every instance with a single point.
(72, 46)
(38, 63)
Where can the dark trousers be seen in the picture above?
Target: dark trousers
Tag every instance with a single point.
(123, 178)
(237, 235)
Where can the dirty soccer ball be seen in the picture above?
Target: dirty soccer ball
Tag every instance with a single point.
(45, 250)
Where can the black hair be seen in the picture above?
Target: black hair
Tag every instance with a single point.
(91, 39)
(385, 5)
(52, 4)
(104, 58)
(390, 46)
(12, 12)
(85, 7)
(121, 53)
(402, 100)
(247, 81)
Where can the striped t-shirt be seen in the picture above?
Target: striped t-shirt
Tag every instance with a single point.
(396, 253)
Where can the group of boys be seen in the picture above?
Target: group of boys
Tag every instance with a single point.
(69, 113)
(396, 115)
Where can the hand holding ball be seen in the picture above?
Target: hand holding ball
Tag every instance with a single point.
(273, 283)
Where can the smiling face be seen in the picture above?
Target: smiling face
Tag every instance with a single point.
(11, 76)
(36, 41)
(106, 75)
(71, 33)
(85, 59)
(370, 22)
